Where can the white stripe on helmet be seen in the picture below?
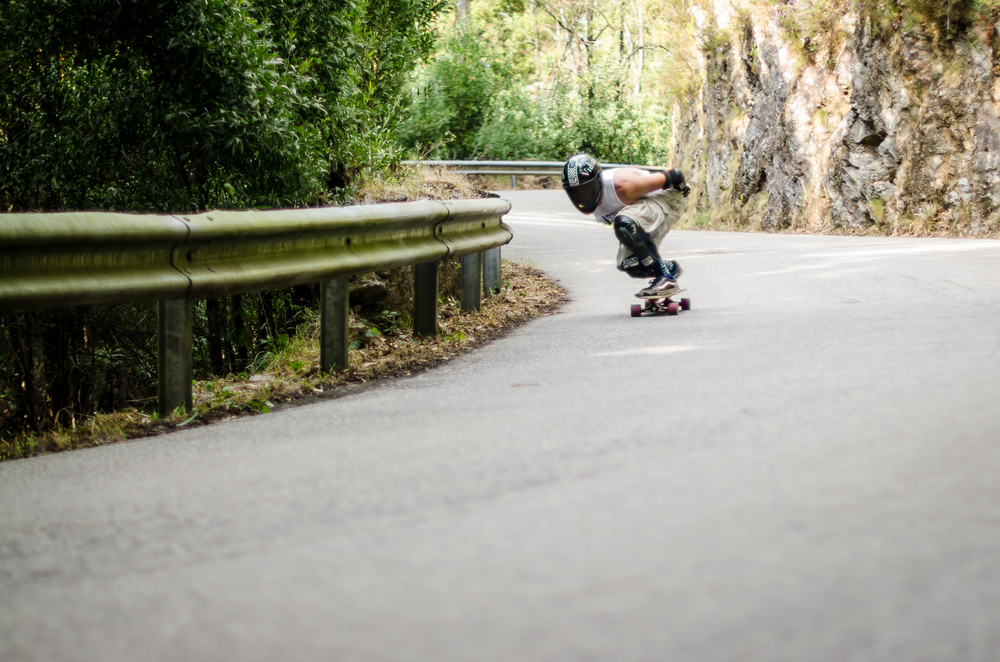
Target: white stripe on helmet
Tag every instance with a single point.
(572, 175)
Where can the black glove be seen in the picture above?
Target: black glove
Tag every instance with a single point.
(675, 180)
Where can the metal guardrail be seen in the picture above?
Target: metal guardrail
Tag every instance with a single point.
(82, 258)
(514, 168)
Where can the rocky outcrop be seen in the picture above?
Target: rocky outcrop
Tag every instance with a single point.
(869, 130)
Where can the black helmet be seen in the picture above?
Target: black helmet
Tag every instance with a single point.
(581, 177)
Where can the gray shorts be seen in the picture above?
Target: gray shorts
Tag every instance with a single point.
(655, 213)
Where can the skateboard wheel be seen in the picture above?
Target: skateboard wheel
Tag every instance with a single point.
(673, 308)
(636, 310)
(685, 304)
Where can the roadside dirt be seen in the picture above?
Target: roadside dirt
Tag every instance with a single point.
(382, 347)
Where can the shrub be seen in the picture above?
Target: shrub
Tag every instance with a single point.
(452, 96)
(181, 105)
(487, 95)
(177, 106)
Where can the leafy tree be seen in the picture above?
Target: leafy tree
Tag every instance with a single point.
(179, 105)
(176, 106)
(453, 94)
(540, 80)
(356, 56)
(164, 105)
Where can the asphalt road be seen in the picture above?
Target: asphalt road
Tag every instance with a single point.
(805, 466)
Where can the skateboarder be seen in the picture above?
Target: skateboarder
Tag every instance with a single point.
(641, 205)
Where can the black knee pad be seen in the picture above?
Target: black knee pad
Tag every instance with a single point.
(629, 233)
(633, 237)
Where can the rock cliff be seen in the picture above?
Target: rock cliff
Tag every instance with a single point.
(868, 125)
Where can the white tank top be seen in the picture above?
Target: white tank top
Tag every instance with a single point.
(610, 204)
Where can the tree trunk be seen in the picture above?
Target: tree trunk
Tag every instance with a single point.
(241, 338)
(215, 331)
(123, 384)
(640, 56)
(56, 367)
(19, 330)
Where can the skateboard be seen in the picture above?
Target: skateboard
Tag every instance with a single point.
(657, 304)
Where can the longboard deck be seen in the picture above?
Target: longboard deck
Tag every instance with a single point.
(666, 294)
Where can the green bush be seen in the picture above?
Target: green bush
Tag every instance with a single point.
(525, 124)
(356, 56)
(483, 97)
(614, 128)
(181, 105)
(452, 95)
(165, 106)
(177, 106)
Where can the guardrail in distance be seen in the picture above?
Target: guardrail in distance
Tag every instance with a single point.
(515, 168)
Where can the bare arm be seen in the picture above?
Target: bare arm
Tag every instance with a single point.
(631, 183)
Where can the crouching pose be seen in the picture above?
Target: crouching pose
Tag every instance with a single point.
(641, 205)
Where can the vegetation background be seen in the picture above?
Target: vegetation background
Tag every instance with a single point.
(174, 106)
(187, 105)
(543, 79)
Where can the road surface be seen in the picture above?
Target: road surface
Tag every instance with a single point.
(803, 467)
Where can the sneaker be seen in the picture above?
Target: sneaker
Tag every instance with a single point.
(663, 285)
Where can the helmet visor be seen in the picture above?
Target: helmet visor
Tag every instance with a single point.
(586, 197)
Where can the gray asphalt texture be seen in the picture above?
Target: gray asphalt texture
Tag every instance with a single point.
(803, 467)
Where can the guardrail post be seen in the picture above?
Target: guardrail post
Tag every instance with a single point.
(425, 298)
(472, 281)
(334, 312)
(513, 181)
(491, 271)
(174, 368)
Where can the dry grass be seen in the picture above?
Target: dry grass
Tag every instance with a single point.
(524, 182)
(383, 347)
(421, 183)
(417, 183)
